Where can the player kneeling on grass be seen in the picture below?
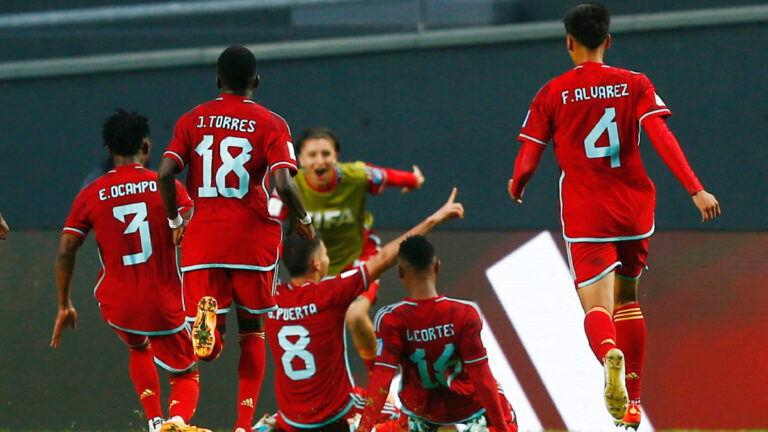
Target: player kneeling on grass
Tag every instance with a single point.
(435, 340)
(139, 289)
(314, 386)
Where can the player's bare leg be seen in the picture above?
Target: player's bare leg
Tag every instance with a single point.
(597, 299)
(631, 339)
(204, 329)
(360, 325)
(250, 368)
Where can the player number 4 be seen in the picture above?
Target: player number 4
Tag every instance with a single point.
(229, 164)
(296, 349)
(440, 367)
(140, 224)
(606, 123)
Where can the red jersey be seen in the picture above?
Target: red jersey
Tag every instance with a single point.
(593, 114)
(139, 286)
(431, 340)
(231, 145)
(306, 336)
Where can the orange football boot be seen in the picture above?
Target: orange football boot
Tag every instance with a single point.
(631, 418)
(204, 329)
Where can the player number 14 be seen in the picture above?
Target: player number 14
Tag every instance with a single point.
(606, 123)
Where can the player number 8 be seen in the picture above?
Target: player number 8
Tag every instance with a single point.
(228, 164)
(297, 349)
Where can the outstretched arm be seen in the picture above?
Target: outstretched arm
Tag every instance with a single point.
(65, 266)
(378, 389)
(669, 149)
(525, 165)
(392, 177)
(290, 196)
(387, 255)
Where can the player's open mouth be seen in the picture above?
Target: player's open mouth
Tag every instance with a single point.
(320, 172)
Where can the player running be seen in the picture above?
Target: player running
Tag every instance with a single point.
(314, 386)
(335, 194)
(435, 340)
(593, 114)
(139, 287)
(231, 146)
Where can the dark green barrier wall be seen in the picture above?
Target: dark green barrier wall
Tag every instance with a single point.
(455, 112)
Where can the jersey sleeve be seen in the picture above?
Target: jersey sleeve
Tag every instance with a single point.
(537, 126)
(649, 104)
(379, 178)
(348, 285)
(470, 345)
(183, 201)
(79, 218)
(181, 144)
(280, 151)
(389, 344)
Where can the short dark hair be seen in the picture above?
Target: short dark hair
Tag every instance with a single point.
(236, 67)
(588, 23)
(123, 132)
(317, 133)
(297, 253)
(417, 252)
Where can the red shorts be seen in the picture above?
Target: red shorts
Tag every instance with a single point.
(250, 290)
(371, 246)
(589, 262)
(172, 352)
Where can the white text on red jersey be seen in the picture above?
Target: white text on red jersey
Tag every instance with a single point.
(595, 92)
(127, 189)
(293, 313)
(430, 334)
(226, 122)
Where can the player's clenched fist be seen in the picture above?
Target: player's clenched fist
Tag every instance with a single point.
(306, 232)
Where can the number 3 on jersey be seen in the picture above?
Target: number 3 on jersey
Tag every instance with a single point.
(140, 224)
(228, 164)
(606, 123)
(297, 349)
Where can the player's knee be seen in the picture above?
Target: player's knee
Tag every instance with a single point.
(141, 346)
(183, 374)
(247, 322)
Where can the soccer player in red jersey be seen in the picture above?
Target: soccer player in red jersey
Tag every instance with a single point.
(435, 340)
(335, 193)
(314, 386)
(231, 146)
(139, 287)
(593, 114)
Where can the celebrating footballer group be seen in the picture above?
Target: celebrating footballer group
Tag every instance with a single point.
(232, 237)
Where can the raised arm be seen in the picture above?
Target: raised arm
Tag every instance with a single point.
(387, 255)
(64, 268)
(669, 149)
(291, 197)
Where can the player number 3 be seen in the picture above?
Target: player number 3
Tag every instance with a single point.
(606, 123)
(229, 164)
(297, 349)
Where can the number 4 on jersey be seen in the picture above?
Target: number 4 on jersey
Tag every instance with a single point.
(606, 123)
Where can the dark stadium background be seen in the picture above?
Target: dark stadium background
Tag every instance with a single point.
(454, 111)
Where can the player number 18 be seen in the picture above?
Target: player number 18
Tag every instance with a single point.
(229, 164)
(606, 123)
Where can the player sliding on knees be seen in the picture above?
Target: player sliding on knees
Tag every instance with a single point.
(335, 193)
(593, 114)
(139, 289)
(435, 340)
(231, 146)
(314, 385)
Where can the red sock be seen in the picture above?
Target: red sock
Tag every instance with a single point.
(630, 335)
(185, 391)
(144, 377)
(251, 373)
(218, 345)
(601, 333)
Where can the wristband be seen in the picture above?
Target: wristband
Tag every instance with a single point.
(307, 219)
(175, 223)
